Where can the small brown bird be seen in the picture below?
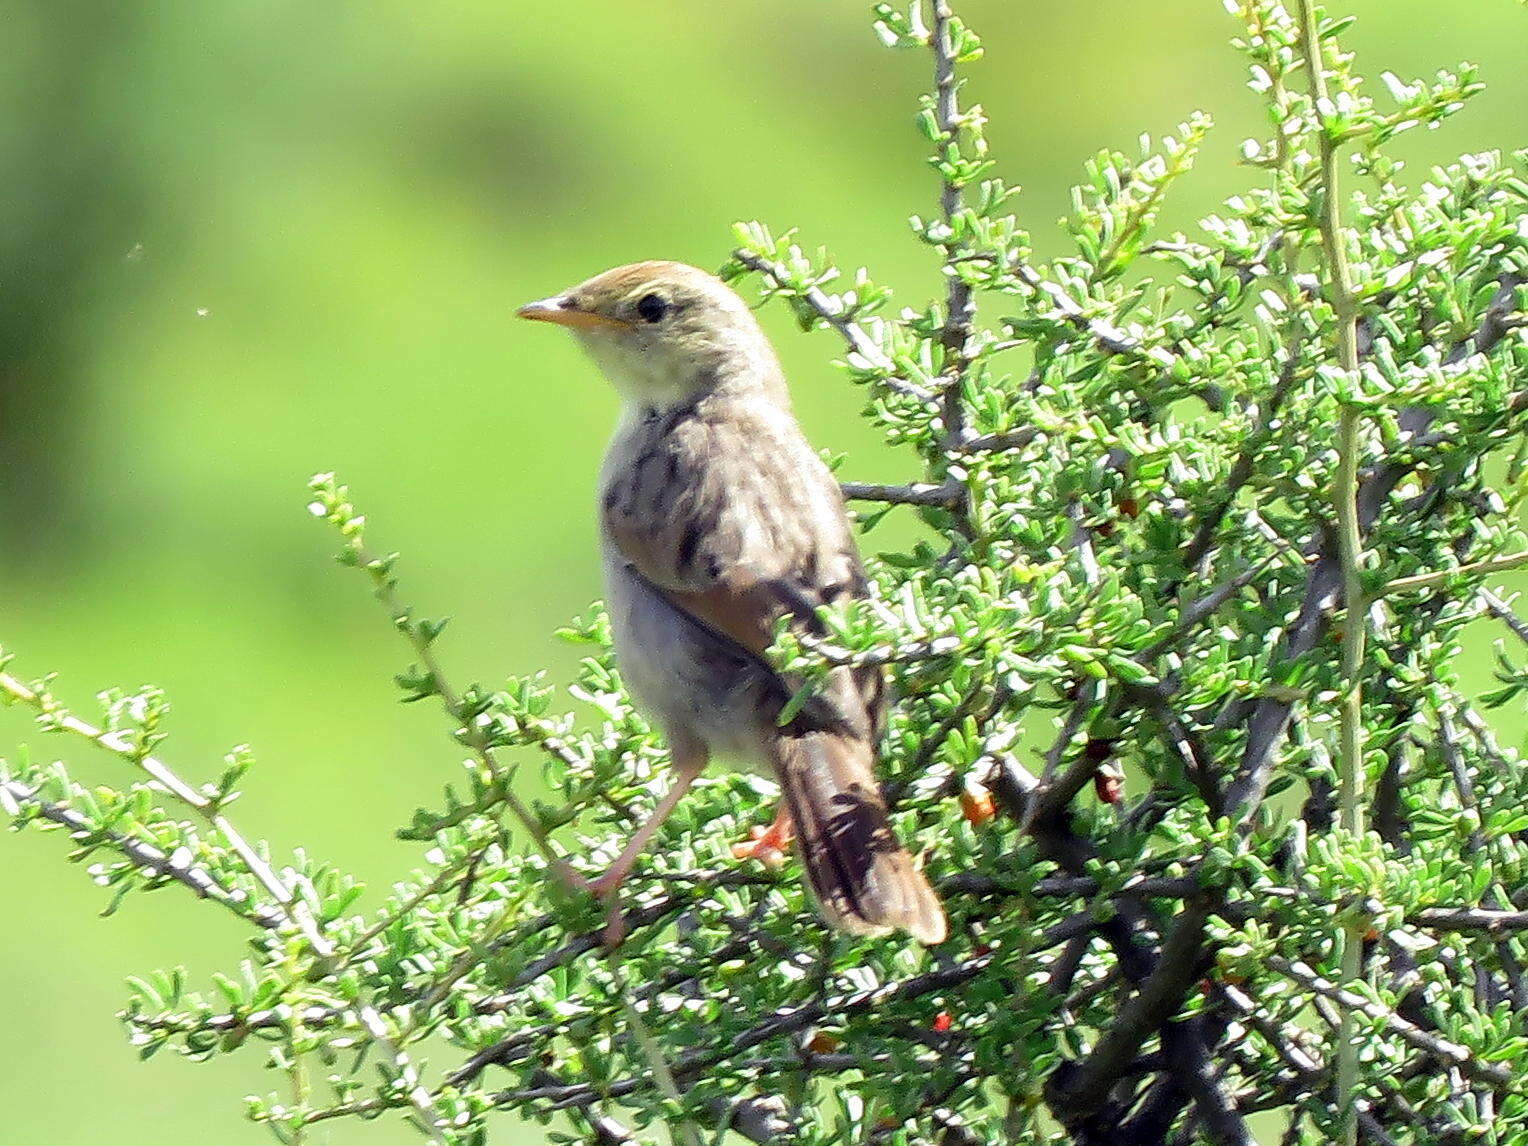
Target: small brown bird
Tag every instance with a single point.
(717, 519)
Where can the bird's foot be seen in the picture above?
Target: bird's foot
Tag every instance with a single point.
(601, 888)
(606, 889)
(767, 845)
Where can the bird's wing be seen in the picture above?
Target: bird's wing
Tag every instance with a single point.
(734, 520)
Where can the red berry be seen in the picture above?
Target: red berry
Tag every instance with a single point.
(977, 807)
(1110, 786)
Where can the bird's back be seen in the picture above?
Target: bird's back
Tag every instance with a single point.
(723, 503)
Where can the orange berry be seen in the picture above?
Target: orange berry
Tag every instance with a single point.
(822, 1043)
(977, 806)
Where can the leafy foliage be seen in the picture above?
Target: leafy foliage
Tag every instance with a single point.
(1123, 627)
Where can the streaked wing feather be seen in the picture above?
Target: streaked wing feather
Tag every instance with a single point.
(733, 519)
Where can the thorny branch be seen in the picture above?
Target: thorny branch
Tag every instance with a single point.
(859, 341)
(960, 301)
(144, 855)
(294, 909)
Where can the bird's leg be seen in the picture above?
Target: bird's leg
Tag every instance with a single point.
(767, 845)
(688, 766)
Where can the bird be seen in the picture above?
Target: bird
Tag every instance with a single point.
(718, 518)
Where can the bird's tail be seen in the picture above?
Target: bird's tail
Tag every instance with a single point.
(863, 878)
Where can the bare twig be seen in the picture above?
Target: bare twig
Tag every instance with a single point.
(999, 443)
(1190, 1067)
(1486, 566)
(1504, 613)
(1056, 789)
(1185, 743)
(1483, 919)
(947, 495)
(1078, 1090)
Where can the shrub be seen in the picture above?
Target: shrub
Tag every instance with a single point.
(1205, 520)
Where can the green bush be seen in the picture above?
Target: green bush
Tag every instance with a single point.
(1203, 522)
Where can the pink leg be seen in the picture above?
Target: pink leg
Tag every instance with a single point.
(688, 768)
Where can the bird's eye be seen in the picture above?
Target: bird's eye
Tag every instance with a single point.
(652, 308)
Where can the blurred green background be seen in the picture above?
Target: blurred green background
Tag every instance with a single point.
(244, 240)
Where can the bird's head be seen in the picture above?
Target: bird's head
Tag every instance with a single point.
(663, 332)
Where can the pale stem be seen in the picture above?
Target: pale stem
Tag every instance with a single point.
(1439, 576)
(1350, 772)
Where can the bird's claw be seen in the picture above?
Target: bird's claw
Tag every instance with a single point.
(767, 845)
(606, 889)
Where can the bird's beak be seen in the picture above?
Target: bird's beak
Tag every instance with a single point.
(558, 310)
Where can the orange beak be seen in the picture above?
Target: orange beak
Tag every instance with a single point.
(558, 310)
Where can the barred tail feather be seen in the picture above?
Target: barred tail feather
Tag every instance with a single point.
(864, 880)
